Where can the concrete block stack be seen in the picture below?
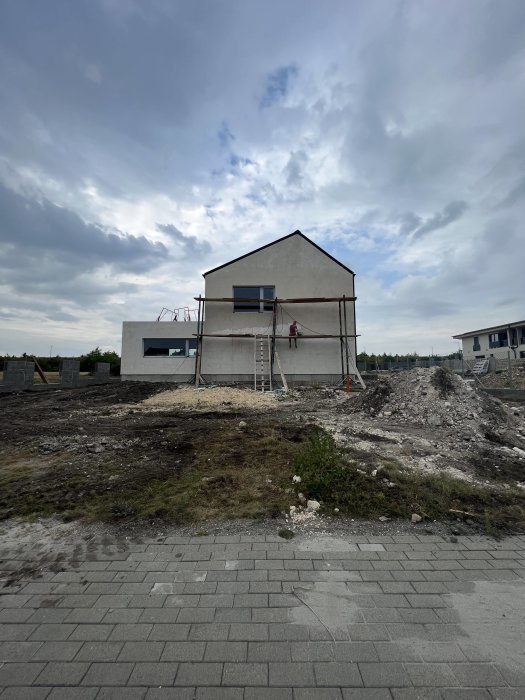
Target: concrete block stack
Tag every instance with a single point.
(19, 374)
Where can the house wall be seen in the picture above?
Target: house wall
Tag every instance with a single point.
(499, 353)
(155, 369)
(296, 269)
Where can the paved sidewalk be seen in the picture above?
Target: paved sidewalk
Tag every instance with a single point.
(258, 618)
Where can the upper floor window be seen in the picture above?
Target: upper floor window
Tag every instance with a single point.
(252, 299)
(498, 340)
(170, 347)
(476, 347)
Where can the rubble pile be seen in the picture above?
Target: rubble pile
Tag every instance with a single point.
(433, 397)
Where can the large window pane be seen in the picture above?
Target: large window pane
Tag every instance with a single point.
(164, 347)
(249, 298)
(243, 293)
(268, 293)
(192, 347)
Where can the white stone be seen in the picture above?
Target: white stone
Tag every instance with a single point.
(296, 479)
(416, 518)
(313, 506)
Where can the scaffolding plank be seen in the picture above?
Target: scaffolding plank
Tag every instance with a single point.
(277, 337)
(305, 300)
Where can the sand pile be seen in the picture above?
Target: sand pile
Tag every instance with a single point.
(206, 398)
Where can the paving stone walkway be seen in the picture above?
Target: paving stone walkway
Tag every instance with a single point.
(259, 618)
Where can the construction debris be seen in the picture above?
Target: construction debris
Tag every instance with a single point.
(434, 397)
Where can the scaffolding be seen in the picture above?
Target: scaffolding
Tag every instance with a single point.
(348, 362)
(184, 313)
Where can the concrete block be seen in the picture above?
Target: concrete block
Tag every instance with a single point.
(18, 374)
(338, 674)
(192, 674)
(291, 675)
(245, 674)
(234, 652)
(384, 675)
(108, 674)
(69, 372)
(153, 674)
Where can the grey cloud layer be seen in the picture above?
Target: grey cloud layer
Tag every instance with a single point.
(392, 132)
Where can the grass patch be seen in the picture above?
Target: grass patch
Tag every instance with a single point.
(332, 477)
(285, 533)
(215, 472)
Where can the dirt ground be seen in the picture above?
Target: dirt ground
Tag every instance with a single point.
(128, 451)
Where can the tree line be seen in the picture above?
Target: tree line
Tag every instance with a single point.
(87, 361)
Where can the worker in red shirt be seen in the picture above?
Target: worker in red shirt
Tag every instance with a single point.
(292, 333)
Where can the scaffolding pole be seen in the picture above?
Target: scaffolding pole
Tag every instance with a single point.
(341, 343)
(198, 353)
(346, 340)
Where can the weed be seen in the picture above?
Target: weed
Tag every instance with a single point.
(443, 380)
(285, 533)
(331, 476)
(202, 533)
(122, 509)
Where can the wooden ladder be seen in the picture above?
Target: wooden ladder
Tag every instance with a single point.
(262, 377)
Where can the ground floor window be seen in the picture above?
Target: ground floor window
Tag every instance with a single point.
(253, 298)
(170, 347)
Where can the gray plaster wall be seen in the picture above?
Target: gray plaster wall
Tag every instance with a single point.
(296, 269)
(135, 366)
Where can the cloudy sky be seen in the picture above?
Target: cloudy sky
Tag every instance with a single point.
(143, 142)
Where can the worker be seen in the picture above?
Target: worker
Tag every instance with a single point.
(292, 333)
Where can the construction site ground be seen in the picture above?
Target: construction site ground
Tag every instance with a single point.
(164, 543)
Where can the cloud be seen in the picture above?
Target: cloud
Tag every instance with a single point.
(187, 246)
(450, 213)
(369, 127)
(277, 85)
(225, 136)
(35, 225)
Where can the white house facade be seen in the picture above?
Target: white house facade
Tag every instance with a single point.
(244, 322)
(496, 341)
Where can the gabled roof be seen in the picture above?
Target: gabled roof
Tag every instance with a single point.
(503, 327)
(295, 233)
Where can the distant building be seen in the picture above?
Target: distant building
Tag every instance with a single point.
(245, 317)
(495, 341)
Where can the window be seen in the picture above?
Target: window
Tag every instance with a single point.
(251, 299)
(514, 337)
(498, 340)
(170, 347)
(522, 335)
(476, 347)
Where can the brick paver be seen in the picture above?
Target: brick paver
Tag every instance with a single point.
(233, 617)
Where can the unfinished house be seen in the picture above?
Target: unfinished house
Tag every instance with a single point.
(240, 330)
(496, 342)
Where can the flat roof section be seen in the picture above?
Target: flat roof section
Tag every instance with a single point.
(502, 327)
